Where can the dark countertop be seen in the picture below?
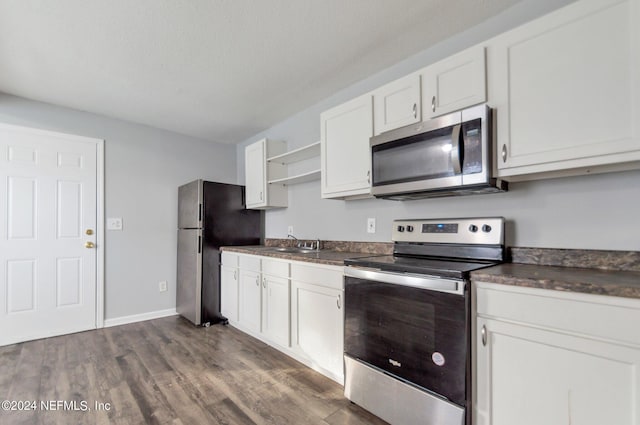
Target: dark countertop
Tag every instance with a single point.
(568, 279)
(612, 273)
(330, 257)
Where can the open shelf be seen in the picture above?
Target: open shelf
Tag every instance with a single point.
(300, 154)
(300, 178)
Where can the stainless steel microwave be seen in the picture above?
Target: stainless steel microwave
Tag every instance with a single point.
(444, 156)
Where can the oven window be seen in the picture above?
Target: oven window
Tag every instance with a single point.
(416, 334)
(415, 158)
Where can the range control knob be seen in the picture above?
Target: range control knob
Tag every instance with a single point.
(473, 228)
(409, 228)
(400, 228)
(486, 228)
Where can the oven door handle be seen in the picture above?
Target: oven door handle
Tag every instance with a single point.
(430, 283)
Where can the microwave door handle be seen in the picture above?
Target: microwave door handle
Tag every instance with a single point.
(456, 149)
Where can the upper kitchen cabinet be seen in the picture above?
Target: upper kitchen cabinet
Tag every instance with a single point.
(566, 89)
(345, 157)
(396, 104)
(261, 194)
(454, 83)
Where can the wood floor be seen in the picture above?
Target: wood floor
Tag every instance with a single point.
(166, 371)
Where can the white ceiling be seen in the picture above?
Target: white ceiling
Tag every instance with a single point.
(220, 70)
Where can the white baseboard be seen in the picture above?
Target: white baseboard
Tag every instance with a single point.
(139, 317)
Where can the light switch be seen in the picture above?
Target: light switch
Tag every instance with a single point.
(114, 223)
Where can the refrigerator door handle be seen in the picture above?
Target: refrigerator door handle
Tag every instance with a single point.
(200, 213)
(199, 244)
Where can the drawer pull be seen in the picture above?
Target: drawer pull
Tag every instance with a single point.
(483, 332)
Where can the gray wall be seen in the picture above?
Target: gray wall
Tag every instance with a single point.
(143, 168)
(593, 212)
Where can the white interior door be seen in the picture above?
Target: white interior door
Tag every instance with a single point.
(48, 235)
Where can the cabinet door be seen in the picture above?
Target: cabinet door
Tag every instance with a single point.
(345, 153)
(255, 174)
(454, 83)
(275, 309)
(250, 300)
(396, 104)
(229, 292)
(567, 89)
(317, 325)
(533, 376)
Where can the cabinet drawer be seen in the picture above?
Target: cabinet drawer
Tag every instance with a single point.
(597, 316)
(275, 268)
(328, 276)
(229, 259)
(249, 262)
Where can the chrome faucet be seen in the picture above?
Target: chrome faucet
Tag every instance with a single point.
(293, 237)
(312, 245)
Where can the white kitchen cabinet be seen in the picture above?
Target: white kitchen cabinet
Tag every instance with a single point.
(454, 83)
(250, 293)
(276, 312)
(396, 104)
(554, 358)
(229, 288)
(318, 318)
(259, 193)
(345, 158)
(566, 89)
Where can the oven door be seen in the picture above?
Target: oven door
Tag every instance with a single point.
(413, 327)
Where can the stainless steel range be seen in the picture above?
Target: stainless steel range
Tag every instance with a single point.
(408, 320)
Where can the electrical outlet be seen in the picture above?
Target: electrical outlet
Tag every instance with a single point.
(371, 225)
(162, 285)
(290, 230)
(114, 223)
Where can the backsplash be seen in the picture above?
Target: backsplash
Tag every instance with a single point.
(582, 258)
(382, 248)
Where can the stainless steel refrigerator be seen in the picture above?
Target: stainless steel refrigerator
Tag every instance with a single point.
(210, 215)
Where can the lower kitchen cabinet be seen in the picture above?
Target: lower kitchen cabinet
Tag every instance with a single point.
(276, 311)
(250, 294)
(318, 318)
(229, 286)
(294, 307)
(546, 357)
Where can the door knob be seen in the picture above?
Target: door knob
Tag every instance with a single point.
(89, 245)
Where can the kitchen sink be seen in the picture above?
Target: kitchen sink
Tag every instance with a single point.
(293, 249)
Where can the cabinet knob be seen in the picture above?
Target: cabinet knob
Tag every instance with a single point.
(504, 153)
(483, 332)
(339, 302)
(264, 282)
(433, 104)
(415, 110)
(369, 176)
